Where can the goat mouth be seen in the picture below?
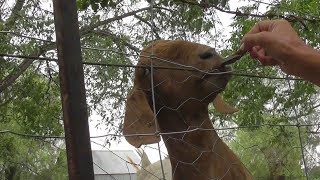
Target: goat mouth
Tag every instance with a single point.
(216, 80)
(222, 72)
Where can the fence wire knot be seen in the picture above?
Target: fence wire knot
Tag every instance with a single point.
(157, 133)
(298, 124)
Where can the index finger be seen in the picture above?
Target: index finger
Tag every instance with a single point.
(261, 26)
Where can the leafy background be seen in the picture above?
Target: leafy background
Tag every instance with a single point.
(114, 31)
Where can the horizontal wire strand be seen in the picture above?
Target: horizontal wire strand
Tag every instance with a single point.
(157, 134)
(193, 69)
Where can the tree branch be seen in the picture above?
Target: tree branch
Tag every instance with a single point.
(291, 18)
(116, 39)
(86, 29)
(9, 80)
(14, 14)
(14, 75)
(152, 25)
(305, 114)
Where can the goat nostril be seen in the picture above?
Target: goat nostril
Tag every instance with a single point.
(206, 55)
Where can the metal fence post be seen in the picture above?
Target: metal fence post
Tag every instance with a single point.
(75, 115)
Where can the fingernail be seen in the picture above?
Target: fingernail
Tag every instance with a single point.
(241, 47)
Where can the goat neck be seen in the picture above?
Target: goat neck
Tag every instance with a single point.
(199, 154)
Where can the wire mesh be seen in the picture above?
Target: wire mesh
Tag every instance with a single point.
(229, 132)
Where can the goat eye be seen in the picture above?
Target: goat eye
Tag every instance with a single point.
(206, 55)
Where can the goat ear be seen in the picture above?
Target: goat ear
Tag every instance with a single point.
(139, 119)
(223, 107)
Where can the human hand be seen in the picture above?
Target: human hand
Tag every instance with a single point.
(272, 43)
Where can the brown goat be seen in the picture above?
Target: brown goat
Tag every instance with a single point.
(181, 103)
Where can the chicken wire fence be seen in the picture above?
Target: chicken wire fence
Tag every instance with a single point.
(298, 130)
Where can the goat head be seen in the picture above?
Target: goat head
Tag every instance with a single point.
(172, 87)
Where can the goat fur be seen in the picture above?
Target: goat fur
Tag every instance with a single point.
(148, 171)
(181, 104)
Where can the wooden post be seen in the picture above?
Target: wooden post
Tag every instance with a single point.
(75, 115)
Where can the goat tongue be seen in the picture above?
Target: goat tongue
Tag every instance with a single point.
(233, 58)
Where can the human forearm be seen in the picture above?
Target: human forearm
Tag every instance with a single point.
(306, 64)
(275, 42)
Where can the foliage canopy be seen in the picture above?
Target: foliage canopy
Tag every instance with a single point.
(113, 32)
